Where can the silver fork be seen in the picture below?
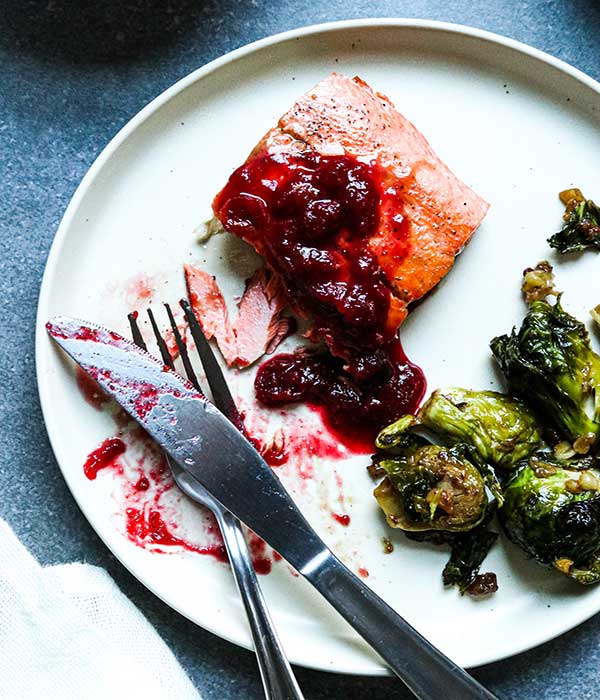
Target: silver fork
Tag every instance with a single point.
(278, 679)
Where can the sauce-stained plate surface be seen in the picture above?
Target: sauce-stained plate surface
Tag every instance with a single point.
(513, 123)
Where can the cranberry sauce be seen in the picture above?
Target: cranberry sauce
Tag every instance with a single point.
(147, 525)
(90, 389)
(104, 456)
(354, 410)
(312, 216)
(341, 518)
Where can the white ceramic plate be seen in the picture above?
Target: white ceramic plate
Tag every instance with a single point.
(515, 124)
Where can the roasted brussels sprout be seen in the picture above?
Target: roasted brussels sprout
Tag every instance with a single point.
(549, 363)
(437, 494)
(552, 511)
(431, 488)
(502, 429)
(582, 224)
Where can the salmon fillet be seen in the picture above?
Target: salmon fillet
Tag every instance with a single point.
(425, 214)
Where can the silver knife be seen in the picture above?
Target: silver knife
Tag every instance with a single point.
(211, 450)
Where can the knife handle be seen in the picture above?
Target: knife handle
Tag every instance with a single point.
(278, 679)
(427, 672)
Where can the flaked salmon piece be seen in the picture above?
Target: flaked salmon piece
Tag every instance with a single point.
(426, 214)
(259, 326)
(259, 322)
(211, 311)
(280, 329)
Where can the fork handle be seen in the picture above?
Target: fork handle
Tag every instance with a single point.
(277, 676)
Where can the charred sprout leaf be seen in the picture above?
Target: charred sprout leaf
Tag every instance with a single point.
(549, 363)
(538, 282)
(432, 488)
(552, 511)
(595, 314)
(468, 553)
(582, 224)
(469, 549)
(501, 429)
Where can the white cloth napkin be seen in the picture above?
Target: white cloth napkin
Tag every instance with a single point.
(68, 633)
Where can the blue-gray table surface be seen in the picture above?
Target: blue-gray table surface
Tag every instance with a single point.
(71, 75)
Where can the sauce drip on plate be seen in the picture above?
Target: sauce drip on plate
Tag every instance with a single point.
(104, 456)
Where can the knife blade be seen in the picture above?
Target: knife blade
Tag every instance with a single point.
(213, 451)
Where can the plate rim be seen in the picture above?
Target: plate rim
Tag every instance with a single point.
(370, 667)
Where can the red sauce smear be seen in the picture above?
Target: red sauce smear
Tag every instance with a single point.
(275, 455)
(262, 566)
(146, 399)
(72, 331)
(258, 551)
(318, 444)
(90, 389)
(103, 456)
(341, 518)
(142, 484)
(313, 217)
(145, 525)
(139, 289)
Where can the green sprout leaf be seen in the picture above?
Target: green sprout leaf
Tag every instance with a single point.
(581, 227)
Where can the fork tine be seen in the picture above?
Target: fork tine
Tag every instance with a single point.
(162, 346)
(222, 397)
(181, 346)
(136, 334)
